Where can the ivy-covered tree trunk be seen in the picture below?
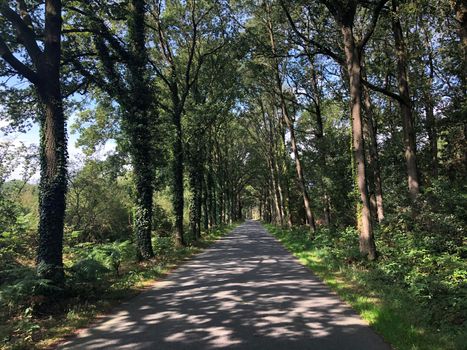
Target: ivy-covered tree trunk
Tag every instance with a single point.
(137, 126)
(45, 59)
(53, 181)
(196, 184)
(144, 178)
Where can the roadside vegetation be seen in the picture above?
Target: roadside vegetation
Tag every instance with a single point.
(99, 276)
(414, 294)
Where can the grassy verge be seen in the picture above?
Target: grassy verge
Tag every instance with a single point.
(20, 328)
(400, 317)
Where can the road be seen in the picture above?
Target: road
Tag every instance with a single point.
(244, 292)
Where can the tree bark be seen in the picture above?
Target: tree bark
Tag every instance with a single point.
(320, 138)
(374, 165)
(53, 142)
(178, 188)
(431, 120)
(137, 126)
(410, 152)
(205, 204)
(53, 181)
(460, 7)
(366, 239)
(290, 126)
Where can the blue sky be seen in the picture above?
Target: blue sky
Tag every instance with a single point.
(76, 155)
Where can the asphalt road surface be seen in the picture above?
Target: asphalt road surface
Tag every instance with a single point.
(244, 292)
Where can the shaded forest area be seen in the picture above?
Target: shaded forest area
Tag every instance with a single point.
(342, 124)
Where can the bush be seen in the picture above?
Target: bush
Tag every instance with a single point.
(164, 246)
(109, 255)
(25, 290)
(88, 276)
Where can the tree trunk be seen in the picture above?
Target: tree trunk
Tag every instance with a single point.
(195, 207)
(138, 127)
(430, 120)
(53, 185)
(205, 204)
(460, 7)
(290, 126)
(406, 107)
(373, 151)
(53, 151)
(320, 139)
(367, 243)
(278, 217)
(144, 202)
(301, 179)
(178, 200)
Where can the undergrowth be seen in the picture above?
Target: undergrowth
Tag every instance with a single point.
(414, 294)
(98, 277)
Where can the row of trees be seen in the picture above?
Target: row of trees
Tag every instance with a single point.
(250, 107)
(139, 63)
(325, 56)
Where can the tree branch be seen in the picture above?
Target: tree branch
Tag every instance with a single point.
(384, 91)
(374, 21)
(24, 33)
(17, 65)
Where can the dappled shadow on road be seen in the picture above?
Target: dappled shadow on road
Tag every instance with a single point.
(246, 292)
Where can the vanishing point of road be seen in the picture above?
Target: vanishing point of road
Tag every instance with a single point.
(244, 292)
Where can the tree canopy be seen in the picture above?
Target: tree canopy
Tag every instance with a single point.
(325, 115)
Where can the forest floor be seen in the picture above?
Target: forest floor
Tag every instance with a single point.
(244, 292)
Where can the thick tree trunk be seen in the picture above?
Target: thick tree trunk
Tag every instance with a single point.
(53, 151)
(367, 243)
(144, 203)
(137, 126)
(406, 107)
(52, 187)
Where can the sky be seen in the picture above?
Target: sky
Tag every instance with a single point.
(32, 137)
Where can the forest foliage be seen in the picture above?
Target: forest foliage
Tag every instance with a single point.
(343, 122)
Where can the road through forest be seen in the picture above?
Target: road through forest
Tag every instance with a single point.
(244, 292)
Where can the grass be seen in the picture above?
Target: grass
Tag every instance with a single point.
(24, 330)
(394, 313)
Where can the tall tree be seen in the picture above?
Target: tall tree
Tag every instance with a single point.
(344, 12)
(177, 30)
(288, 119)
(122, 73)
(405, 105)
(42, 45)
